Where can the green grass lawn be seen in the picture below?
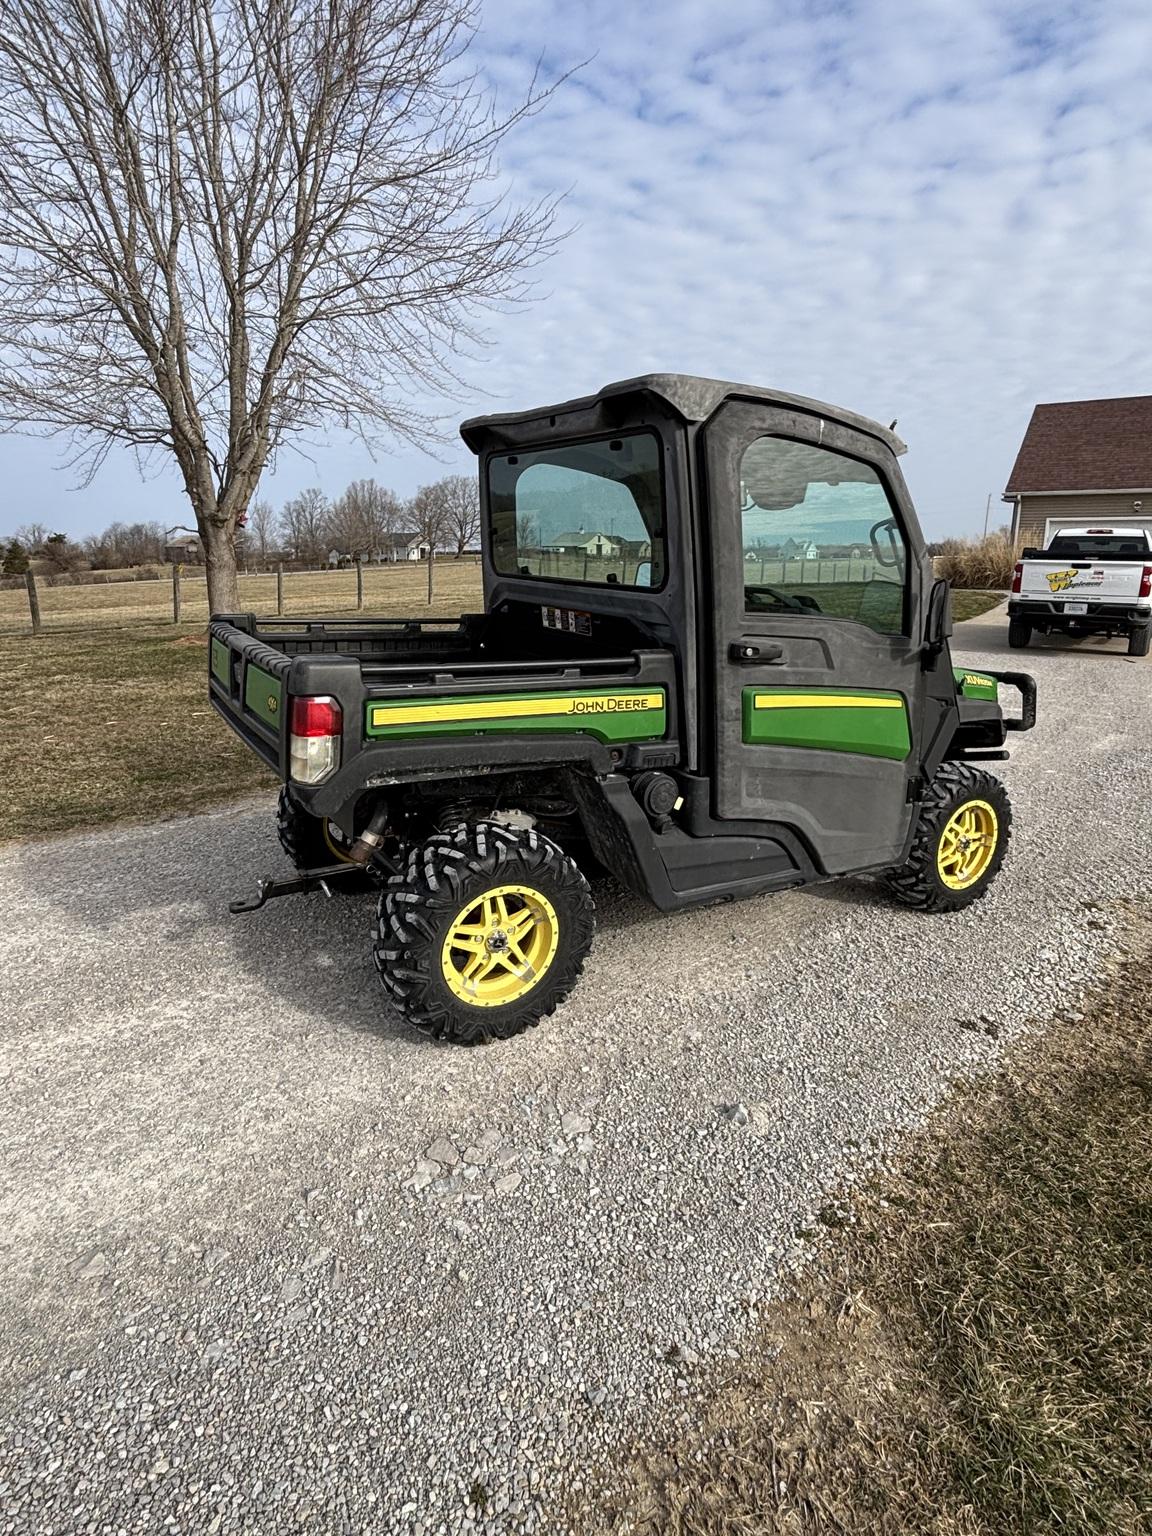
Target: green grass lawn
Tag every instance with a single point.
(970, 605)
(109, 725)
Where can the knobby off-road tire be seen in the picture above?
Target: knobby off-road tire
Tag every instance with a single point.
(1019, 634)
(960, 843)
(516, 904)
(311, 842)
(1139, 641)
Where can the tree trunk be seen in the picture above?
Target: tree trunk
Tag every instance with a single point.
(220, 567)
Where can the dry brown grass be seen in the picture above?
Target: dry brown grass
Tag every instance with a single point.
(387, 589)
(108, 724)
(984, 563)
(973, 1357)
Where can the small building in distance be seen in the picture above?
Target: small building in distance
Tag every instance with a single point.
(1083, 462)
(183, 548)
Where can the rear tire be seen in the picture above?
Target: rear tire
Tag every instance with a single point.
(1019, 634)
(960, 842)
(1139, 641)
(311, 842)
(522, 918)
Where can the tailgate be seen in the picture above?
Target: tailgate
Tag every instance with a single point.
(1081, 581)
(248, 685)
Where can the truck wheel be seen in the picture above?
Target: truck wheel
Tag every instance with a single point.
(1019, 634)
(1139, 641)
(483, 933)
(960, 843)
(310, 842)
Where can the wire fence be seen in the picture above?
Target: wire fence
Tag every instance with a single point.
(179, 595)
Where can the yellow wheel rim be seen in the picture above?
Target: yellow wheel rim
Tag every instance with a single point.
(334, 840)
(499, 946)
(967, 844)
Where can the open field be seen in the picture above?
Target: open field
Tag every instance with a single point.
(387, 589)
(111, 724)
(973, 1356)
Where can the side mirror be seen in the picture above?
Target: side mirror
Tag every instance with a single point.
(887, 544)
(643, 574)
(938, 624)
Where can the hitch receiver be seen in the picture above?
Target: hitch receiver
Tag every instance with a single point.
(294, 885)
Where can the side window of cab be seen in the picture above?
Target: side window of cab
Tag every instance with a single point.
(820, 536)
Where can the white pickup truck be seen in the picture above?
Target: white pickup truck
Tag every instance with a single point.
(1088, 581)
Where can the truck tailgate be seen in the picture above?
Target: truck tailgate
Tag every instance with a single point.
(1082, 581)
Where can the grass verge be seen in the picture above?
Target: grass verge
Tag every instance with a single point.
(969, 605)
(974, 1357)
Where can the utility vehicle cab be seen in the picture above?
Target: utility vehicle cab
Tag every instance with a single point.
(713, 658)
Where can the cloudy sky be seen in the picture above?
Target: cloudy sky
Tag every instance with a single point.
(923, 209)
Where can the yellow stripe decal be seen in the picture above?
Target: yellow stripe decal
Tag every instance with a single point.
(512, 709)
(825, 701)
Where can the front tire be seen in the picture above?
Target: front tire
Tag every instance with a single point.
(1019, 634)
(960, 843)
(1139, 641)
(483, 933)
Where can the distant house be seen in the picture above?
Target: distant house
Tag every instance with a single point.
(1083, 461)
(799, 549)
(581, 542)
(393, 548)
(183, 549)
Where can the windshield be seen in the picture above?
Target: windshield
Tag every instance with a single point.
(589, 512)
(1106, 547)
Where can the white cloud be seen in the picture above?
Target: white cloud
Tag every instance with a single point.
(929, 211)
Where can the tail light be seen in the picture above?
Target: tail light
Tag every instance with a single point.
(1146, 582)
(1018, 576)
(315, 727)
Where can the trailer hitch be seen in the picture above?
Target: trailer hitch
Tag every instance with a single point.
(294, 885)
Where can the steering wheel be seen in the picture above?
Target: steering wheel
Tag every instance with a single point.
(780, 602)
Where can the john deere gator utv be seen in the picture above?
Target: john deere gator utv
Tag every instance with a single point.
(712, 660)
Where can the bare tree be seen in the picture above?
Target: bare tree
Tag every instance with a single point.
(462, 507)
(262, 526)
(364, 518)
(428, 512)
(32, 536)
(227, 222)
(304, 525)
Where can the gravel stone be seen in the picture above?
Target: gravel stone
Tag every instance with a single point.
(192, 1084)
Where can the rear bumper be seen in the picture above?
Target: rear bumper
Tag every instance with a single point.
(1050, 614)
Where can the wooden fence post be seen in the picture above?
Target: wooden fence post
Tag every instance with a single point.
(33, 601)
(176, 593)
(279, 587)
(359, 583)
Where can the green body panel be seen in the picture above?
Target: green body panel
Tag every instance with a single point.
(975, 685)
(878, 727)
(263, 695)
(220, 661)
(609, 714)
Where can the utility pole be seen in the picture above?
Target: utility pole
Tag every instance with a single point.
(987, 510)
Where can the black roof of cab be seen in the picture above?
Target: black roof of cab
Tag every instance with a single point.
(694, 399)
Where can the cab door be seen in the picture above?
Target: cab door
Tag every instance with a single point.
(818, 569)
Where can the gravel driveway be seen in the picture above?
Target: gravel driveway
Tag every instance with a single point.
(272, 1263)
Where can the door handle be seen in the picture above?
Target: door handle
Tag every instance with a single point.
(747, 654)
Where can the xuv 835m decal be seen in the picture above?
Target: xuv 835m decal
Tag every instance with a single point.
(975, 685)
(872, 723)
(609, 714)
